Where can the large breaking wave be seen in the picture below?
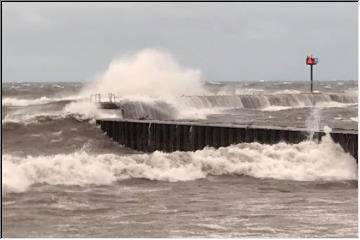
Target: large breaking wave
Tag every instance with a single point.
(306, 161)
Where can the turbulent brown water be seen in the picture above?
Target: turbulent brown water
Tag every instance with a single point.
(62, 177)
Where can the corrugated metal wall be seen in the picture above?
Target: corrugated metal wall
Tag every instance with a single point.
(149, 136)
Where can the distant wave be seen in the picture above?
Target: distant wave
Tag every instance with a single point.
(30, 118)
(38, 118)
(22, 102)
(306, 161)
(57, 109)
(9, 101)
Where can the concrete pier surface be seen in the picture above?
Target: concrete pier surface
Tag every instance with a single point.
(169, 136)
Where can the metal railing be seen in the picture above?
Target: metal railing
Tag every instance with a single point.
(99, 98)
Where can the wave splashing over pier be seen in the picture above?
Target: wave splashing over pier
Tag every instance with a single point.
(149, 72)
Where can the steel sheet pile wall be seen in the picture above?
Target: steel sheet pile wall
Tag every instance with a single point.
(149, 136)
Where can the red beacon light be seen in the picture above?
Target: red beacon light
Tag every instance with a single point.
(311, 61)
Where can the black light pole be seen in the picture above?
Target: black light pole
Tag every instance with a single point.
(311, 78)
(311, 61)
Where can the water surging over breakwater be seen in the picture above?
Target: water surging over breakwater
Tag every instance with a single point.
(201, 106)
(168, 109)
(264, 101)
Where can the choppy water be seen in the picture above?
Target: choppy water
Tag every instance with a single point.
(62, 177)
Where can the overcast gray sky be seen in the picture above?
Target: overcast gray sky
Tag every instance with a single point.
(226, 41)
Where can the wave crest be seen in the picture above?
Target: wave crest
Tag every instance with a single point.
(23, 102)
(306, 161)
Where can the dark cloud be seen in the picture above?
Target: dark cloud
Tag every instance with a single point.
(226, 41)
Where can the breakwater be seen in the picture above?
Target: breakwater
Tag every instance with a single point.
(169, 136)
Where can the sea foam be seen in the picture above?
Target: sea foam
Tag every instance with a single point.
(306, 161)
